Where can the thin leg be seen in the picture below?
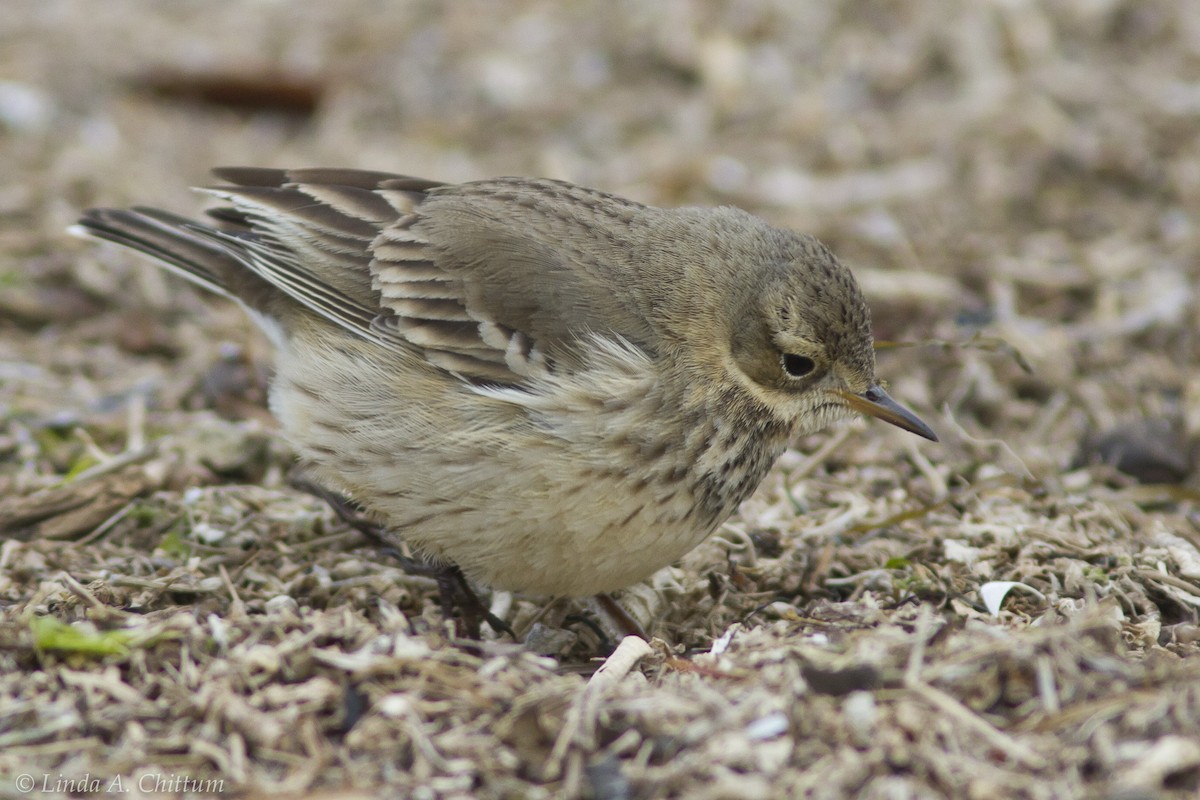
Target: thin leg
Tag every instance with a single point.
(346, 509)
(621, 619)
(453, 589)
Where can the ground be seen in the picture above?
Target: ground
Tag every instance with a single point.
(1016, 185)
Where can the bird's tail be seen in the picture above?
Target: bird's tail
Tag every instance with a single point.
(176, 242)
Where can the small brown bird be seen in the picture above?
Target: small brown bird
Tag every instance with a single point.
(558, 390)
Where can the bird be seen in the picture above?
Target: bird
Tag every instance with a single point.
(557, 390)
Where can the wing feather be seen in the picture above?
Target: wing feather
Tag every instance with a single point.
(431, 268)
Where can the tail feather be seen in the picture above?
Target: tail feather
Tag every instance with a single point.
(168, 238)
(287, 238)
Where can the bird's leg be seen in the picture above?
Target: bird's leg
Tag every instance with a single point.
(453, 589)
(346, 509)
(618, 617)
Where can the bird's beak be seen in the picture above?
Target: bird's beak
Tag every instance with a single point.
(875, 402)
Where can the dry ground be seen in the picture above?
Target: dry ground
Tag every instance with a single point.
(1016, 184)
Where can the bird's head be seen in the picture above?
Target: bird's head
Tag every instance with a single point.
(804, 342)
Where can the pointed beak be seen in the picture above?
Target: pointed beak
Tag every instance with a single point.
(875, 402)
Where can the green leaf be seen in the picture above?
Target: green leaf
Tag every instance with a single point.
(50, 633)
(175, 545)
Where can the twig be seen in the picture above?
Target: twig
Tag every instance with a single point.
(992, 735)
(79, 590)
(631, 650)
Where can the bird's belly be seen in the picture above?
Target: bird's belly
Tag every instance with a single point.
(589, 483)
(587, 502)
(533, 519)
(566, 531)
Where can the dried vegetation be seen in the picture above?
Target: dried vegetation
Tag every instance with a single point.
(1011, 614)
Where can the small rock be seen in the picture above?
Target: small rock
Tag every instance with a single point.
(547, 641)
(1148, 450)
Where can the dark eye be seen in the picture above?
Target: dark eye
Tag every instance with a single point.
(797, 366)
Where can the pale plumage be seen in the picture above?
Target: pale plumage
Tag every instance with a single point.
(556, 389)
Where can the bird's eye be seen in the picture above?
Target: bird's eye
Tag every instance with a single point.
(797, 366)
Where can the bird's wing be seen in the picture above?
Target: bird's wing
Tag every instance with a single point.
(513, 273)
(308, 232)
(491, 280)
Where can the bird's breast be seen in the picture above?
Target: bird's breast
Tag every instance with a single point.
(582, 484)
